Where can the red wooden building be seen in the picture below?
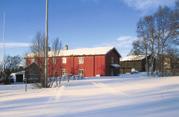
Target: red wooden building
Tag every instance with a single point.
(87, 62)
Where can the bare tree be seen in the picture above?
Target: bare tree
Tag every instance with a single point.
(56, 48)
(175, 23)
(165, 33)
(10, 64)
(150, 28)
(138, 47)
(157, 34)
(142, 34)
(38, 46)
(38, 50)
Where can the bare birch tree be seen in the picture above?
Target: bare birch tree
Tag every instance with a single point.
(157, 34)
(142, 34)
(165, 33)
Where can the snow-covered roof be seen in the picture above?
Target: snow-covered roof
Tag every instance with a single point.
(81, 51)
(133, 58)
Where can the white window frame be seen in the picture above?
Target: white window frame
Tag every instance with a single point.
(81, 60)
(64, 72)
(64, 60)
(53, 60)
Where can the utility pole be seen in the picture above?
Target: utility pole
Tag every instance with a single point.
(46, 47)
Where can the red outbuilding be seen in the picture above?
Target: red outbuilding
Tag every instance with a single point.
(86, 62)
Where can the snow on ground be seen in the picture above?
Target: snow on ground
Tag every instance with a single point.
(123, 96)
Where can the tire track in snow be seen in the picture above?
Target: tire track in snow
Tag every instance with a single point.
(56, 94)
(108, 89)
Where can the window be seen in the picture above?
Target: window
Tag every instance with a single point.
(64, 60)
(33, 60)
(81, 60)
(54, 60)
(64, 72)
(81, 72)
(112, 59)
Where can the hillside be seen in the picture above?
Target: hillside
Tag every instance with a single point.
(122, 96)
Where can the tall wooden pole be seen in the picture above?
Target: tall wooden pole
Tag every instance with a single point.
(46, 46)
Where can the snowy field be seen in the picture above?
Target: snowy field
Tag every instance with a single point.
(123, 96)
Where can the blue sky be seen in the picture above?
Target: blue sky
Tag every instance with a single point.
(78, 23)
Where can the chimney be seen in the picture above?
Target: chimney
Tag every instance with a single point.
(66, 47)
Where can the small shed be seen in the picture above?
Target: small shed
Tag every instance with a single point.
(32, 73)
(133, 62)
(17, 77)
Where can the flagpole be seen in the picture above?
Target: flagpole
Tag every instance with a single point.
(4, 24)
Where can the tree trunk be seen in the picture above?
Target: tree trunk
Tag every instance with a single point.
(147, 65)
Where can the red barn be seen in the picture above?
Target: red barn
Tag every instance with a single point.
(87, 62)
